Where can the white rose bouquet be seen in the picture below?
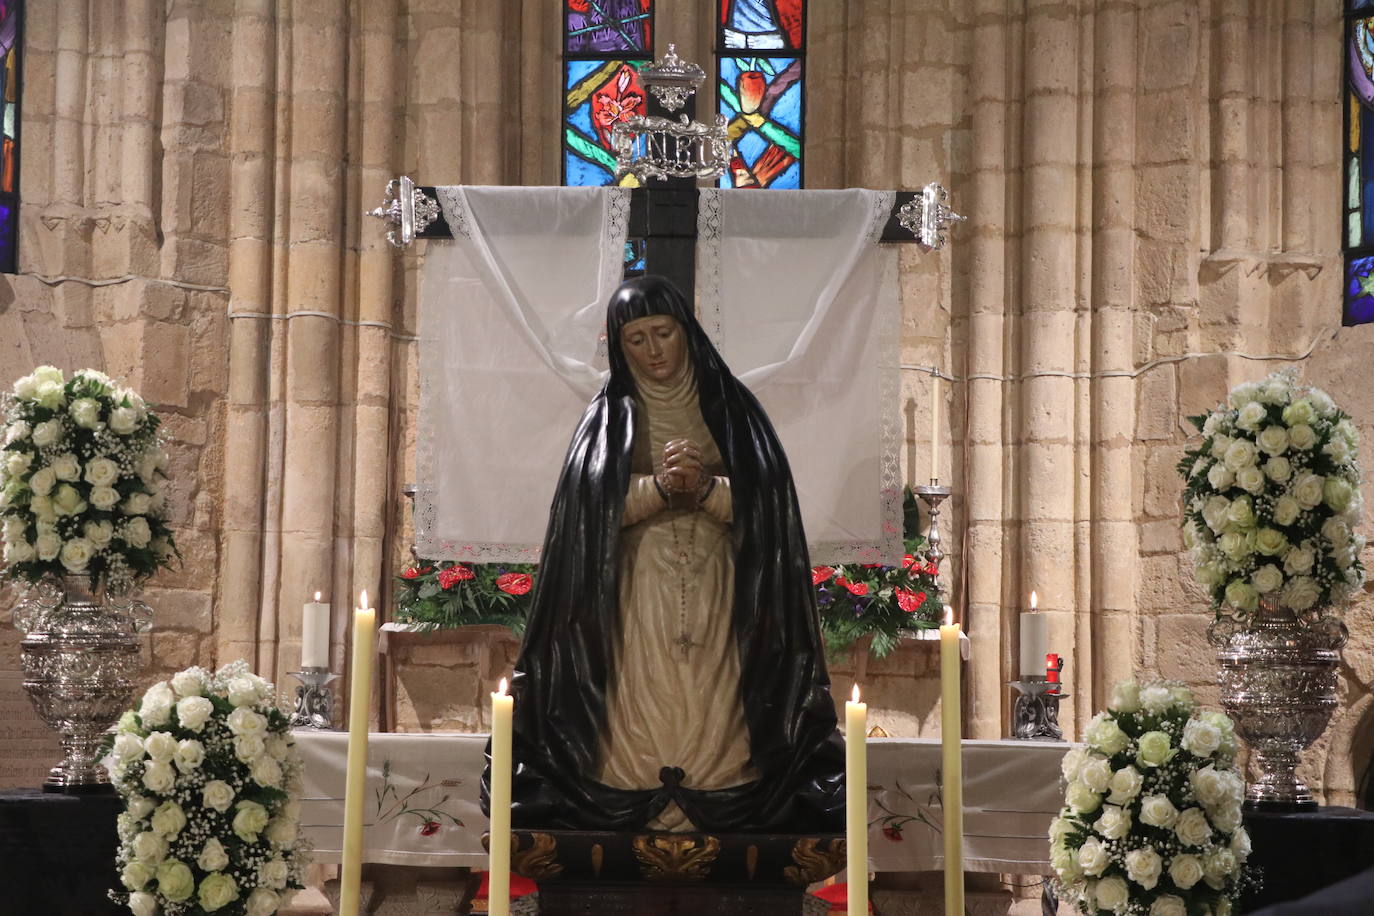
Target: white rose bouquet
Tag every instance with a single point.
(1273, 498)
(211, 783)
(81, 473)
(1151, 824)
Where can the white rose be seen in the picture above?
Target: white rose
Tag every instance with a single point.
(149, 848)
(243, 691)
(277, 747)
(1240, 843)
(1299, 412)
(244, 721)
(212, 856)
(1185, 870)
(1286, 510)
(1321, 402)
(1125, 697)
(1219, 446)
(104, 498)
(282, 831)
(136, 504)
(1302, 437)
(47, 433)
(139, 806)
(66, 500)
(274, 873)
(1225, 726)
(168, 820)
(1158, 811)
(50, 395)
(1337, 492)
(77, 554)
(123, 420)
(1096, 773)
(1235, 545)
(128, 747)
(1250, 479)
(147, 467)
(188, 683)
(1228, 817)
(161, 746)
(15, 528)
(1347, 431)
(48, 546)
(136, 533)
(1298, 561)
(1266, 579)
(1244, 393)
(1270, 542)
(17, 463)
(1241, 512)
(1155, 698)
(250, 819)
(1301, 593)
(1214, 512)
(1093, 857)
(17, 430)
(159, 776)
(156, 708)
(1251, 416)
(1217, 865)
(1278, 469)
(217, 891)
(1240, 454)
(1183, 697)
(1221, 477)
(98, 533)
(190, 755)
(94, 375)
(249, 748)
(1336, 531)
(135, 875)
(142, 903)
(263, 902)
(1273, 441)
(1308, 490)
(192, 712)
(85, 413)
(1125, 785)
(1201, 738)
(20, 552)
(66, 467)
(1338, 449)
(217, 794)
(1143, 867)
(1104, 734)
(101, 472)
(1114, 822)
(1241, 595)
(41, 507)
(1192, 828)
(42, 481)
(1082, 799)
(1275, 389)
(1168, 905)
(1112, 894)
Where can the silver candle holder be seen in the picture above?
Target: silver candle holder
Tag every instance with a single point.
(1036, 713)
(314, 698)
(932, 496)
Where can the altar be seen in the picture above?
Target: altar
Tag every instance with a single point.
(422, 801)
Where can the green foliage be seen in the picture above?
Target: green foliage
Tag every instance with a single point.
(448, 594)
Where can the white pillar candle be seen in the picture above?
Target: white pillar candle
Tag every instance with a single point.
(934, 426)
(498, 850)
(856, 801)
(315, 634)
(952, 765)
(355, 780)
(1035, 640)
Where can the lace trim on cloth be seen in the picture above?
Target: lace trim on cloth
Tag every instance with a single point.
(708, 266)
(615, 227)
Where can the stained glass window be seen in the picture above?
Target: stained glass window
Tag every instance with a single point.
(1357, 223)
(605, 42)
(10, 13)
(760, 88)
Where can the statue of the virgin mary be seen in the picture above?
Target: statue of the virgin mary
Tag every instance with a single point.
(672, 675)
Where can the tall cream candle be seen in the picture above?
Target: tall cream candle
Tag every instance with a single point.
(1035, 637)
(952, 765)
(498, 855)
(355, 783)
(934, 425)
(856, 801)
(315, 634)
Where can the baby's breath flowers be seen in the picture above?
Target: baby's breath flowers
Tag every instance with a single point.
(1151, 824)
(81, 475)
(211, 783)
(1272, 499)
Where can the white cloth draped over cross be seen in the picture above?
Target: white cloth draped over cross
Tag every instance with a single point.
(792, 286)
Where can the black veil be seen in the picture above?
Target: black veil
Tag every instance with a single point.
(562, 674)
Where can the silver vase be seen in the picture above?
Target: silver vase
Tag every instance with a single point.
(80, 656)
(1278, 682)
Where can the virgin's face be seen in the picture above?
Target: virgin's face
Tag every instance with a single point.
(656, 346)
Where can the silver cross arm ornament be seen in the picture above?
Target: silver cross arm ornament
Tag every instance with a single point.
(407, 210)
(928, 216)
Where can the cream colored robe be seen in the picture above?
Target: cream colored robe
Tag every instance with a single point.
(666, 705)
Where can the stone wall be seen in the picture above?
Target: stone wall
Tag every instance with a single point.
(1152, 188)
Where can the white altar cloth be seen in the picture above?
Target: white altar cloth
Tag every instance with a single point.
(421, 805)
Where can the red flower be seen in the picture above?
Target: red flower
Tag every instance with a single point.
(820, 573)
(893, 832)
(514, 583)
(855, 588)
(910, 601)
(413, 572)
(908, 562)
(577, 6)
(872, 566)
(429, 828)
(453, 575)
(620, 98)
